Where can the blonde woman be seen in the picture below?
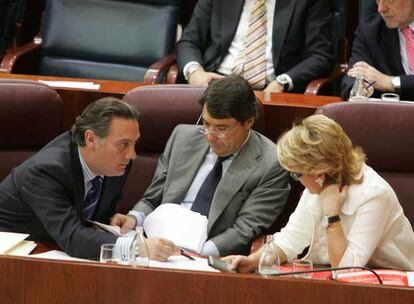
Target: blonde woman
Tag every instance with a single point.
(348, 214)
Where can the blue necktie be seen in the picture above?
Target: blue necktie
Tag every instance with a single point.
(204, 197)
(92, 198)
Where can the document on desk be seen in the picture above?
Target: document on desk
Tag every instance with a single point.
(9, 240)
(115, 230)
(185, 228)
(57, 255)
(181, 262)
(72, 84)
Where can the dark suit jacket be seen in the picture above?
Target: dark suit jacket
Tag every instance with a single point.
(302, 37)
(378, 46)
(44, 195)
(248, 199)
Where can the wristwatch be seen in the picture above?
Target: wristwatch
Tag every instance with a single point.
(328, 220)
(283, 80)
(396, 83)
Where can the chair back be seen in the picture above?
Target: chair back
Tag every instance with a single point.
(31, 115)
(385, 132)
(106, 39)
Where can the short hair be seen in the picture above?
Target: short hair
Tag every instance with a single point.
(320, 144)
(230, 97)
(98, 117)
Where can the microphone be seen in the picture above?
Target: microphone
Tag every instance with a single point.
(327, 269)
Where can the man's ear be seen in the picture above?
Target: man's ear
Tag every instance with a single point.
(90, 139)
(249, 122)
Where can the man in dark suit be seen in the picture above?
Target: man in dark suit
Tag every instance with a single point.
(252, 188)
(298, 42)
(383, 50)
(77, 176)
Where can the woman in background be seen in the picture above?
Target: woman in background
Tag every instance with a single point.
(348, 215)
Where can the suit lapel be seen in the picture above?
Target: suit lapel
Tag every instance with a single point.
(281, 21)
(231, 12)
(234, 178)
(391, 44)
(186, 167)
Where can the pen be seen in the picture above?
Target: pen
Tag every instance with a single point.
(183, 253)
(370, 84)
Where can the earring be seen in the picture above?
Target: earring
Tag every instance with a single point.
(320, 181)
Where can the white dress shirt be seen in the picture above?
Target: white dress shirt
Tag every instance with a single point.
(377, 231)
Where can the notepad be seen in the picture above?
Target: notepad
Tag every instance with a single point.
(12, 243)
(72, 84)
(115, 230)
(185, 228)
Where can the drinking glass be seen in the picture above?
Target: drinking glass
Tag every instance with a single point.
(390, 97)
(110, 254)
(302, 265)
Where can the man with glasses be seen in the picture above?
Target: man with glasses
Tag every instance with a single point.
(220, 168)
(383, 50)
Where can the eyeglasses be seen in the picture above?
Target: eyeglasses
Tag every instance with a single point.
(296, 175)
(219, 131)
(386, 1)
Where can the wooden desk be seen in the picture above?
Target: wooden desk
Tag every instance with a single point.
(27, 280)
(281, 109)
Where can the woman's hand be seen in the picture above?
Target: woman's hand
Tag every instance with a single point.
(332, 199)
(242, 263)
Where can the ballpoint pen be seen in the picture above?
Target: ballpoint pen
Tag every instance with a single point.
(369, 84)
(183, 253)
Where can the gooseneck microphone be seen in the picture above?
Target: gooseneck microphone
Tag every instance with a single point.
(327, 269)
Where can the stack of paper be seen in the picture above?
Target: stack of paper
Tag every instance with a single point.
(185, 228)
(14, 244)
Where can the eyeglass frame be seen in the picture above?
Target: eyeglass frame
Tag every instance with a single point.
(219, 133)
(296, 175)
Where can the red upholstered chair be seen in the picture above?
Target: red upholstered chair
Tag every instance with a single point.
(161, 108)
(31, 114)
(385, 132)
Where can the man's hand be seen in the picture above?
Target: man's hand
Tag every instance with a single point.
(274, 87)
(126, 222)
(202, 78)
(383, 83)
(159, 249)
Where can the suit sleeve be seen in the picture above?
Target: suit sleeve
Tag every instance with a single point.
(195, 38)
(259, 211)
(153, 195)
(47, 191)
(317, 59)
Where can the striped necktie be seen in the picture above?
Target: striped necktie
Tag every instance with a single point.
(251, 63)
(409, 46)
(92, 198)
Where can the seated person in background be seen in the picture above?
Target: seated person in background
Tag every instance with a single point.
(348, 214)
(77, 176)
(383, 50)
(276, 45)
(250, 188)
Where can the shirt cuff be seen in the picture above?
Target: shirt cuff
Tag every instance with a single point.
(189, 66)
(290, 81)
(139, 216)
(210, 248)
(123, 245)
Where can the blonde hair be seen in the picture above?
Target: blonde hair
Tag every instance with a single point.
(318, 144)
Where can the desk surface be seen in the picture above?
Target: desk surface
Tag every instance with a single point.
(28, 280)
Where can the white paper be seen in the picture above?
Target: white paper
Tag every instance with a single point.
(410, 278)
(181, 262)
(185, 228)
(22, 249)
(115, 230)
(72, 84)
(10, 239)
(57, 255)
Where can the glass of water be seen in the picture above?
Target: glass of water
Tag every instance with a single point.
(302, 265)
(390, 97)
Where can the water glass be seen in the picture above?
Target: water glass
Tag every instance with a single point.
(302, 265)
(390, 97)
(110, 254)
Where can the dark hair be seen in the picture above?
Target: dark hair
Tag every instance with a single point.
(230, 97)
(98, 117)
